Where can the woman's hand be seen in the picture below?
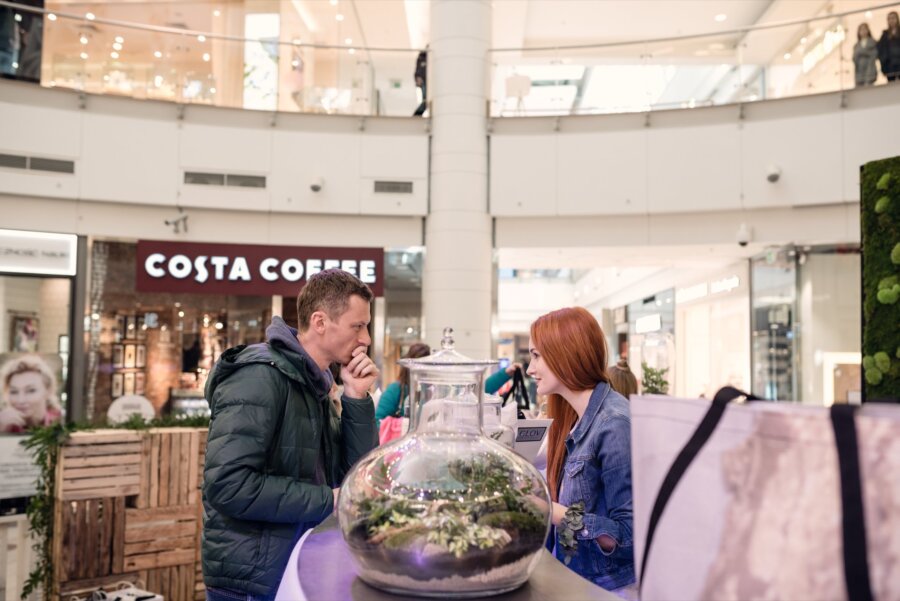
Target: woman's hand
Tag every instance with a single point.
(512, 368)
(11, 420)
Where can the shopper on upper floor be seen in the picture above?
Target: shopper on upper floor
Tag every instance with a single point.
(889, 48)
(589, 448)
(622, 379)
(865, 53)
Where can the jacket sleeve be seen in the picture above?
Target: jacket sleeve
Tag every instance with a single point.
(882, 47)
(495, 381)
(247, 410)
(615, 458)
(388, 403)
(358, 432)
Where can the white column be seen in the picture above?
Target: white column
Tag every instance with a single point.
(456, 287)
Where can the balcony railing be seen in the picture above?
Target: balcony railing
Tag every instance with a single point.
(265, 71)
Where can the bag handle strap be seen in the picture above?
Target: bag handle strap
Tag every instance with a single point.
(684, 459)
(856, 562)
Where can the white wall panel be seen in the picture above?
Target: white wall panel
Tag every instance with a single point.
(394, 157)
(130, 160)
(693, 168)
(602, 173)
(54, 185)
(869, 134)
(808, 151)
(523, 174)
(300, 157)
(243, 150)
(36, 130)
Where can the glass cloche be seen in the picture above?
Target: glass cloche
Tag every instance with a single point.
(445, 511)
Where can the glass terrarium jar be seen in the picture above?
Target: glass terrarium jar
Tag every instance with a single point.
(445, 511)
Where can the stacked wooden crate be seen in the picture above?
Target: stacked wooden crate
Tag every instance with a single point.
(128, 509)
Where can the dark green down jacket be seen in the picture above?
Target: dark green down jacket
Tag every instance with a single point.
(269, 414)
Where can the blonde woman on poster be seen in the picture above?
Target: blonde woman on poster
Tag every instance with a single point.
(29, 396)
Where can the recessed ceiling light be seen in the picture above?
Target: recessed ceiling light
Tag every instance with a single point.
(83, 39)
(18, 18)
(113, 55)
(120, 39)
(106, 78)
(297, 41)
(84, 55)
(787, 56)
(339, 17)
(206, 57)
(15, 65)
(212, 90)
(89, 16)
(51, 16)
(803, 40)
(117, 46)
(217, 13)
(157, 54)
(352, 51)
(720, 17)
(334, 2)
(201, 38)
(868, 14)
(348, 41)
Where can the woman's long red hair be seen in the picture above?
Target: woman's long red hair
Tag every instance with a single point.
(572, 344)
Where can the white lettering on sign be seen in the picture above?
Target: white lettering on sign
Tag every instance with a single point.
(180, 267)
(152, 265)
(725, 284)
(200, 266)
(219, 263)
(292, 270)
(219, 268)
(239, 270)
(367, 272)
(266, 267)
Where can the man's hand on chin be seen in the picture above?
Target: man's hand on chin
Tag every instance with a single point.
(359, 374)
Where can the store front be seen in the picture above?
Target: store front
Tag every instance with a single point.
(38, 341)
(712, 333)
(651, 338)
(163, 312)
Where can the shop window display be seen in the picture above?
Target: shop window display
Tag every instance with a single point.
(158, 345)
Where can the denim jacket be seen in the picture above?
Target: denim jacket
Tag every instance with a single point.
(597, 471)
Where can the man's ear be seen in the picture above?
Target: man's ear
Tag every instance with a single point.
(317, 322)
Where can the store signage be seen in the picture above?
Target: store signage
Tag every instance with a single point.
(648, 323)
(248, 269)
(18, 471)
(704, 289)
(37, 253)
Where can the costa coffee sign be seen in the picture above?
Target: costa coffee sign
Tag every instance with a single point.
(248, 269)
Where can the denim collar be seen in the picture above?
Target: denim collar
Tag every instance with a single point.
(601, 390)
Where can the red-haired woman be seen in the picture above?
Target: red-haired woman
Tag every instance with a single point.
(589, 448)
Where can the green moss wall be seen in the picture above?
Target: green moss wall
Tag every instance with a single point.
(880, 229)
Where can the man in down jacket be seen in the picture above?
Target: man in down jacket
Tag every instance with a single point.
(277, 450)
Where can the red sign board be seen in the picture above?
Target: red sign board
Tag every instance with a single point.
(248, 269)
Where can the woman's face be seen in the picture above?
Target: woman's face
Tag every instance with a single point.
(27, 394)
(863, 31)
(892, 20)
(546, 380)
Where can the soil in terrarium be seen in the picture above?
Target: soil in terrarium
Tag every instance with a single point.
(484, 519)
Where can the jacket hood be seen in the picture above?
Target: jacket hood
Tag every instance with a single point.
(281, 350)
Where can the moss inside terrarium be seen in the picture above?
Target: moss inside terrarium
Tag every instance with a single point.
(480, 516)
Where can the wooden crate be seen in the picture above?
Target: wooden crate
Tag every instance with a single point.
(128, 509)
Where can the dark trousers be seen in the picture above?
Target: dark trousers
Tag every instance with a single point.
(420, 110)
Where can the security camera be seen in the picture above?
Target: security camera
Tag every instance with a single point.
(744, 235)
(316, 184)
(773, 173)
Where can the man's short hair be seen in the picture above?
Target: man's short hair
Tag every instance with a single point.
(329, 291)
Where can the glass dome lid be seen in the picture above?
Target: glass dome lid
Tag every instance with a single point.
(447, 357)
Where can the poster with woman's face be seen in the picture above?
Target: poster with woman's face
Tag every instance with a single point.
(29, 391)
(24, 334)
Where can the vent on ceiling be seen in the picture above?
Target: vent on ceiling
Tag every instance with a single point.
(198, 178)
(16, 161)
(393, 187)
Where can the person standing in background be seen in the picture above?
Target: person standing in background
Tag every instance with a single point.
(622, 379)
(421, 76)
(865, 52)
(889, 48)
